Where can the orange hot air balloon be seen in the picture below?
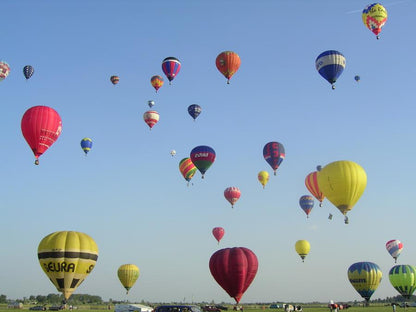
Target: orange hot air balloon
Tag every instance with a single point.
(228, 62)
(311, 182)
(157, 82)
(151, 118)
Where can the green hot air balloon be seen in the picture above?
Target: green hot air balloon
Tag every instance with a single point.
(365, 278)
(403, 279)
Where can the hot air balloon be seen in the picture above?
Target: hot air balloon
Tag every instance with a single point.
(403, 279)
(151, 118)
(218, 233)
(28, 71)
(67, 258)
(311, 182)
(194, 110)
(302, 247)
(306, 203)
(172, 153)
(234, 269)
(41, 127)
(342, 182)
(115, 79)
(128, 275)
(203, 157)
(228, 62)
(232, 194)
(357, 78)
(263, 177)
(187, 168)
(151, 103)
(330, 65)
(86, 145)
(374, 17)
(365, 278)
(4, 70)
(274, 153)
(157, 82)
(171, 67)
(394, 247)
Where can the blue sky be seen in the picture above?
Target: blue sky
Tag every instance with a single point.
(128, 193)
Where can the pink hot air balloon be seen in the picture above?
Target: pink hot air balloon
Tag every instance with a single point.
(234, 269)
(218, 233)
(394, 247)
(232, 194)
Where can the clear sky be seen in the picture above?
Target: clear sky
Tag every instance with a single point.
(128, 193)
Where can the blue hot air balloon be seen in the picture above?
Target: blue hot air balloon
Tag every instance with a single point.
(194, 110)
(86, 144)
(203, 157)
(306, 203)
(171, 67)
(28, 71)
(365, 278)
(330, 65)
(274, 153)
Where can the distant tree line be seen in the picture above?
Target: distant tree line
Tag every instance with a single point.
(55, 299)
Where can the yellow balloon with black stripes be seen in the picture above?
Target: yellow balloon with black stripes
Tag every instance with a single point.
(128, 275)
(67, 258)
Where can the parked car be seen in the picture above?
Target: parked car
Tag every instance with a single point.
(177, 308)
(56, 308)
(210, 308)
(38, 308)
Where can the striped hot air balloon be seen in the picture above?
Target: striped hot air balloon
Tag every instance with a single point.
(365, 278)
(187, 169)
(330, 65)
(311, 182)
(171, 67)
(151, 118)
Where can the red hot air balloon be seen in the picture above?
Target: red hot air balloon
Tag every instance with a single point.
(151, 118)
(311, 182)
(218, 233)
(234, 269)
(171, 67)
(228, 62)
(232, 194)
(41, 127)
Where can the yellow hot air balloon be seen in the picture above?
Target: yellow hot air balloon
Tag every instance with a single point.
(67, 258)
(263, 177)
(302, 247)
(128, 275)
(374, 17)
(342, 182)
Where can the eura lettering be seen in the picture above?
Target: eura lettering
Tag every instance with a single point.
(59, 267)
(201, 155)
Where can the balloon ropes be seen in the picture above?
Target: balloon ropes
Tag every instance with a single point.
(41, 127)
(274, 153)
(394, 247)
(228, 62)
(234, 269)
(374, 17)
(203, 157)
(67, 258)
(128, 275)
(365, 278)
(330, 65)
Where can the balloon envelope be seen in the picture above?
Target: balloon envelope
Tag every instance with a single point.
(218, 233)
(403, 279)
(4, 70)
(302, 247)
(394, 247)
(365, 278)
(342, 182)
(306, 203)
(41, 127)
(234, 269)
(228, 62)
(274, 153)
(28, 71)
(203, 157)
(374, 17)
(171, 67)
(263, 177)
(187, 168)
(151, 118)
(86, 145)
(232, 194)
(194, 110)
(330, 65)
(67, 258)
(114, 79)
(128, 275)
(311, 182)
(157, 82)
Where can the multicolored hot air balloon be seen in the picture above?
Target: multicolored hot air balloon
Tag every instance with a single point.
(194, 110)
(263, 177)
(128, 275)
(330, 65)
(365, 278)
(86, 145)
(306, 203)
(67, 258)
(114, 79)
(151, 118)
(403, 279)
(157, 82)
(234, 269)
(41, 127)
(228, 62)
(374, 17)
(187, 168)
(274, 153)
(4, 70)
(171, 67)
(218, 233)
(232, 194)
(394, 247)
(28, 71)
(342, 182)
(302, 247)
(311, 182)
(203, 157)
